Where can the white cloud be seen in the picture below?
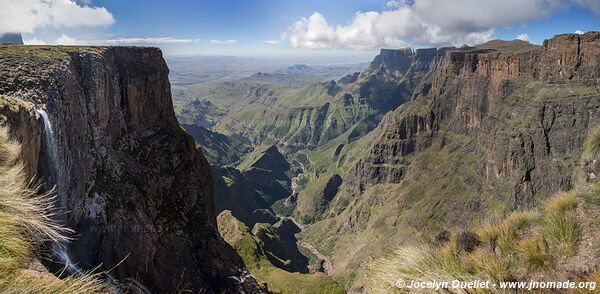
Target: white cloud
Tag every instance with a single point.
(523, 37)
(579, 32)
(593, 5)
(34, 41)
(422, 22)
(26, 16)
(67, 40)
(161, 40)
(271, 42)
(394, 3)
(223, 42)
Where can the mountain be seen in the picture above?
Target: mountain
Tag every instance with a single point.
(131, 183)
(11, 38)
(219, 149)
(266, 249)
(270, 172)
(490, 129)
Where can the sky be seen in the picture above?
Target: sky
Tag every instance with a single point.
(272, 28)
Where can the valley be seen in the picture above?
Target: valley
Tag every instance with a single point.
(299, 147)
(471, 162)
(418, 143)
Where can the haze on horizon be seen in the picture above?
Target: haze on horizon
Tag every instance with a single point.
(351, 31)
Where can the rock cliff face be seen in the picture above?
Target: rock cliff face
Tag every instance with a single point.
(138, 189)
(27, 128)
(399, 59)
(485, 130)
(526, 109)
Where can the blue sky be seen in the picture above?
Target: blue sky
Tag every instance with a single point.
(281, 28)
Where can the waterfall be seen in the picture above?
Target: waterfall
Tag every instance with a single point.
(53, 173)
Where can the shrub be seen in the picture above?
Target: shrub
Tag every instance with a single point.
(467, 241)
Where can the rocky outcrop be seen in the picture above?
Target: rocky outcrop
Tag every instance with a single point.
(270, 173)
(525, 108)
(234, 192)
(394, 59)
(139, 191)
(571, 57)
(27, 128)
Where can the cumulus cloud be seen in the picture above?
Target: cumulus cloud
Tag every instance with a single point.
(26, 16)
(223, 42)
(523, 37)
(422, 22)
(66, 40)
(579, 32)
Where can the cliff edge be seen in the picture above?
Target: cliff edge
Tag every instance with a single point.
(137, 189)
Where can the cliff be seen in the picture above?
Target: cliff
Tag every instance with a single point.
(137, 189)
(509, 98)
(487, 130)
(399, 59)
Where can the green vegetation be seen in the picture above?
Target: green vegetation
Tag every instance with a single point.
(259, 261)
(218, 149)
(523, 244)
(25, 223)
(592, 144)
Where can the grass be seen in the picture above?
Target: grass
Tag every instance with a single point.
(535, 253)
(256, 258)
(562, 203)
(522, 244)
(562, 232)
(25, 223)
(592, 144)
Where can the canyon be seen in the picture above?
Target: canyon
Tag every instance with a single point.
(298, 184)
(425, 141)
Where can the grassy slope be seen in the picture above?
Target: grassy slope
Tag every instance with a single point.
(255, 258)
(24, 225)
(555, 242)
(390, 214)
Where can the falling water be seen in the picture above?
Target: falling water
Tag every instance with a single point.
(51, 152)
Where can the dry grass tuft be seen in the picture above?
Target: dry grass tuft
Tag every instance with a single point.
(26, 222)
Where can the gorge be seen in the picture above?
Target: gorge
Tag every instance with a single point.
(308, 189)
(111, 115)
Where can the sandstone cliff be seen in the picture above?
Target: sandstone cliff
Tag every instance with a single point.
(138, 190)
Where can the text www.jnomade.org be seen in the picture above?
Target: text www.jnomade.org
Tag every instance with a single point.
(489, 284)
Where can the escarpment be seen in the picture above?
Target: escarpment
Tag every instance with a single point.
(524, 110)
(139, 191)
